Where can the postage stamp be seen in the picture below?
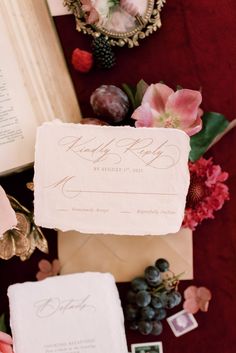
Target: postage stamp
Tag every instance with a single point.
(149, 347)
(182, 322)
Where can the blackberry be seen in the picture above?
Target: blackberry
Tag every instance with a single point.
(102, 52)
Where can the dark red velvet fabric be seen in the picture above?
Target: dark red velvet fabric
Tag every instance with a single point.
(195, 48)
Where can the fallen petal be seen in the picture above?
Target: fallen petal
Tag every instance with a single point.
(204, 293)
(41, 275)
(56, 267)
(190, 292)
(204, 305)
(191, 305)
(45, 266)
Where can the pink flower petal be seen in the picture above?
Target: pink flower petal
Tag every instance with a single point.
(45, 266)
(185, 105)
(42, 275)
(204, 305)
(204, 293)
(194, 128)
(7, 214)
(56, 267)
(191, 305)
(5, 348)
(190, 292)
(157, 96)
(5, 338)
(143, 115)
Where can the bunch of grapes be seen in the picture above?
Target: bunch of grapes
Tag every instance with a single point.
(150, 297)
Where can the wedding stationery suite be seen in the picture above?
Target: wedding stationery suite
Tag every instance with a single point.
(124, 256)
(110, 180)
(70, 314)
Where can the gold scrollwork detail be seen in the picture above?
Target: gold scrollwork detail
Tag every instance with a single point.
(145, 25)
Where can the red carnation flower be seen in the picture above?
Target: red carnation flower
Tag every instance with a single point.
(207, 192)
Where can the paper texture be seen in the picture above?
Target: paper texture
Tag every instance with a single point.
(70, 314)
(7, 215)
(111, 180)
(124, 256)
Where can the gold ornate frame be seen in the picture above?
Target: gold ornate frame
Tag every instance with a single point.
(146, 24)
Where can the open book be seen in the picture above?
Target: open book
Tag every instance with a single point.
(35, 85)
(70, 314)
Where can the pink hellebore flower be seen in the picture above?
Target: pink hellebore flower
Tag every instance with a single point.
(5, 343)
(162, 107)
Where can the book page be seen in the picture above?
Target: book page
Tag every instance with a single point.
(34, 81)
(17, 121)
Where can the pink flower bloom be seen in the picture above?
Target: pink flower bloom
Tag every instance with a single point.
(47, 269)
(5, 343)
(7, 214)
(162, 107)
(206, 194)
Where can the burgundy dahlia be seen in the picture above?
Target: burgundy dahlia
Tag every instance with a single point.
(207, 192)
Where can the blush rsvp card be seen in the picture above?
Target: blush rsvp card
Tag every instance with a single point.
(110, 180)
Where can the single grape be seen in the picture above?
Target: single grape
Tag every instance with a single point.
(131, 312)
(138, 284)
(178, 297)
(147, 313)
(164, 298)
(156, 301)
(162, 265)
(143, 298)
(131, 295)
(173, 299)
(145, 327)
(151, 273)
(160, 314)
(157, 328)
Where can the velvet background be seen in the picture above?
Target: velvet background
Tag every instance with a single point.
(195, 48)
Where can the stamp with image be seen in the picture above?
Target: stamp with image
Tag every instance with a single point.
(150, 347)
(182, 322)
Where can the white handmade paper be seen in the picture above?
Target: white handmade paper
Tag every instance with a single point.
(78, 313)
(111, 180)
(7, 214)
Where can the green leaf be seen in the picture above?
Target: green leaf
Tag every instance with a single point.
(3, 327)
(140, 90)
(213, 125)
(130, 91)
